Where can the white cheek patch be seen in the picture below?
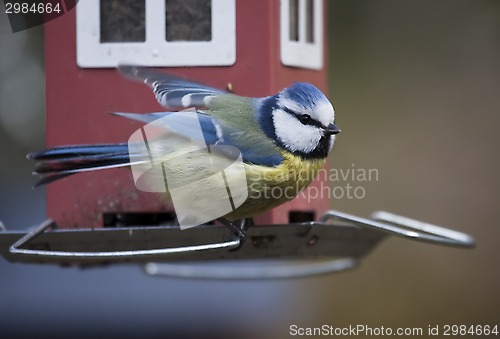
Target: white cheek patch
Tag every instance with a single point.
(295, 135)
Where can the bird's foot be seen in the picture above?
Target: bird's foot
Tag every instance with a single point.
(238, 228)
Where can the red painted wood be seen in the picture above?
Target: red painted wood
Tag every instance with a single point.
(79, 100)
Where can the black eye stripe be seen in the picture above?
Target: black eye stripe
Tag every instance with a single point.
(305, 119)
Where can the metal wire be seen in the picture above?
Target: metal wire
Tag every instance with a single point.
(16, 248)
(411, 228)
(279, 269)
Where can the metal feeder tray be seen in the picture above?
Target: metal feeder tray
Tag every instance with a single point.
(334, 243)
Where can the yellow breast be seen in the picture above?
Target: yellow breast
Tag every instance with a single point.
(269, 187)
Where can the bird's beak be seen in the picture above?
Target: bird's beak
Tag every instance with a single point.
(332, 129)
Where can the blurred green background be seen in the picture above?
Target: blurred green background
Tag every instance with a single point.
(416, 87)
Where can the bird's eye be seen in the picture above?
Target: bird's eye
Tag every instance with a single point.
(305, 119)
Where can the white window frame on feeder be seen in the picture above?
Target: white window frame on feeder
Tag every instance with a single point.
(302, 53)
(156, 50)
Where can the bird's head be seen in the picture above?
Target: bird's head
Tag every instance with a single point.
(301, 120)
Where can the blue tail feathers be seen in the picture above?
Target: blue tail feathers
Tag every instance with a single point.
(59, 162)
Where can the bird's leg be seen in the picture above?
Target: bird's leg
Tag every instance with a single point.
(238, 230)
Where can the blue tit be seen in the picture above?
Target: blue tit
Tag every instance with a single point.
(283, 139)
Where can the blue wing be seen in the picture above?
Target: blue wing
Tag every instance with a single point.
(220, 123)
(214, 132)
(170, 90)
